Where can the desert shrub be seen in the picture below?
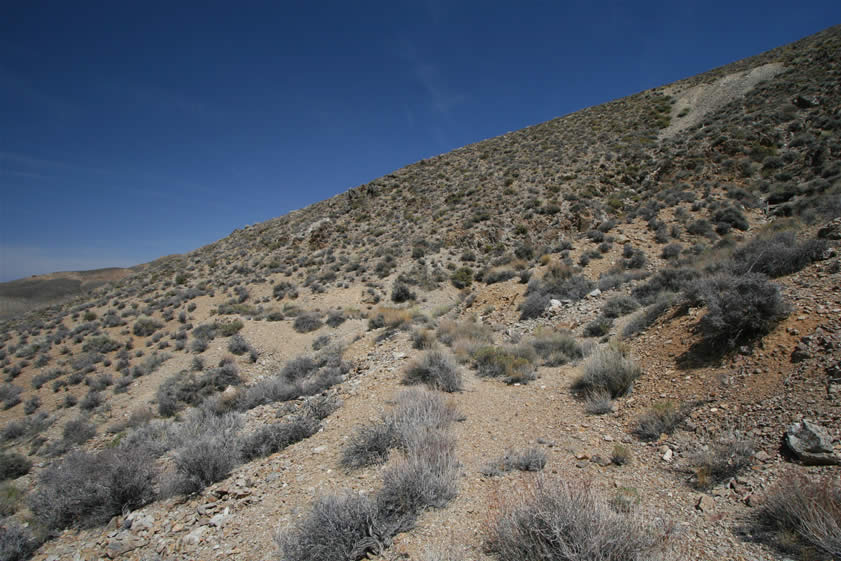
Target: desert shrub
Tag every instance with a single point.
(671, 251)
(613, 279)
(13, 465)
(534, 305)
(85, 490)
(228, 328)
(462, 277)
(100, 382)
(43, 377)
(78, 431)
(335, 318)
(238, 345)
(646, 317)
(369, 445)
(190, 388)
(206, 332)
(775, 256)
(283, 289)
(598, 403)
(301, 376)
(598, 327)
(494, 276)
(423, 339)
(400, 292)
(16, 541)
(726, 458)
(320, 342)
(149, 365)
(9, 395)
(732, 217)
(10, 499)
(514, 364)
(350, 527)
(101, 344)
(199, 345)
(667, 280)
(738, 307)
(336, 527)
(556, 348)
(272, 438)
(620, 455)
(31, 405)
(567, 520)
(530, 459)
(619, 306)
(208, 447)
(415, 411)
(450, 332)
(144, 327)
(437, 370)
(607, 370)
(306, 322)
(636, 260)
(320, 407)
(425, 477)
(663, 417)
(700, 227)
(801, 515)
(92, 400)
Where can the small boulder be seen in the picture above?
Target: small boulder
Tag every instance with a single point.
(705, 503)
(811, 444)
(831, 230)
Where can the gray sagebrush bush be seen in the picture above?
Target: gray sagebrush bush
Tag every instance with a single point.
(437, 370)
(565, 520)
(607, 370)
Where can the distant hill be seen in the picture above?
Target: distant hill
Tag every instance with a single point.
(22, 295)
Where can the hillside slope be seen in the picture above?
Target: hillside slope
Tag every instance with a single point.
(637, 299)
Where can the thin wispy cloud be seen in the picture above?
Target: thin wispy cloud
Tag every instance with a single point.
(441, 96)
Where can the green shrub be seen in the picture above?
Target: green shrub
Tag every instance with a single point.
(462, 277)
(556, 348)
(662, 418)
(228, 328)
(144, 327)
(400, 292)
(514, 364)
(101, 344)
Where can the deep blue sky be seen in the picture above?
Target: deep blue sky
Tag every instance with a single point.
(132, 130)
